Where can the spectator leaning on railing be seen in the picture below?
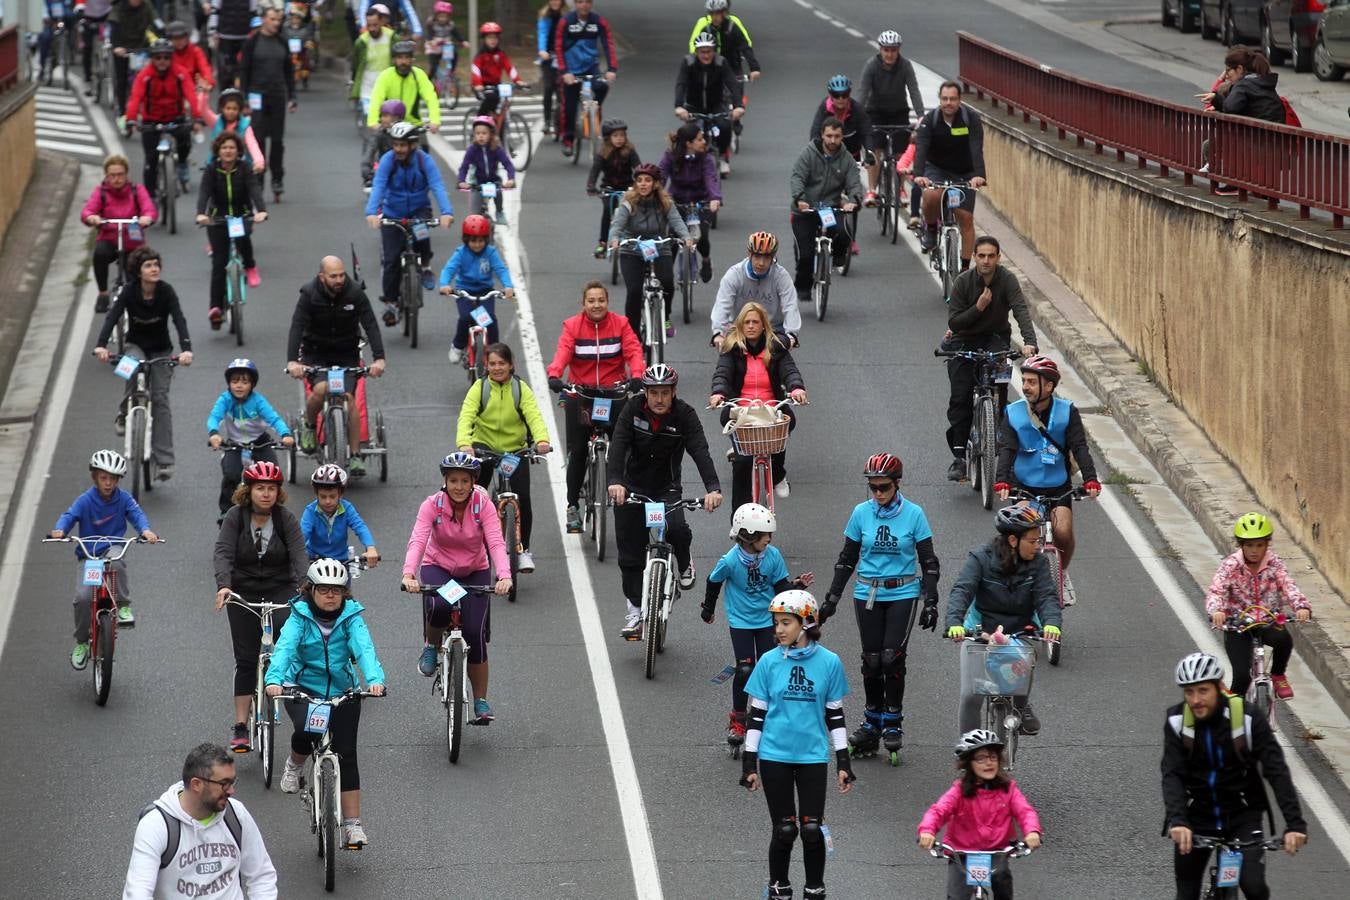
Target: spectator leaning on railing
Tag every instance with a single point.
(1246, 88)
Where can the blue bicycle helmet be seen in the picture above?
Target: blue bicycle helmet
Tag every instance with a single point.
(459, 460)
(839, 84)
(247, 366)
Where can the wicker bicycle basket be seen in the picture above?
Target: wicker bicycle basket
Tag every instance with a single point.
(755, 439)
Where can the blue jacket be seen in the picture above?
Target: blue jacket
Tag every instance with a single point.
(96, 516)
(325, 538)
(399, 191)
(244, 422)
(473, 272)
(544, 33)
(1039, 463)
(577, 45)
(322, 666)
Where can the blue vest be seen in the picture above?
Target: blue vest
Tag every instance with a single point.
(1038, 463)
(239, 128)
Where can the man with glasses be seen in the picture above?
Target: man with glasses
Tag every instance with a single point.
(758, 279)
(196, 840)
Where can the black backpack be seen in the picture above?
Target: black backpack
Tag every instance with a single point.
(174, 827)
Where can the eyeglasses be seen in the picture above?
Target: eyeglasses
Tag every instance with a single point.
(226, 784)
(880, 488)
(1033, 540)
(985, 757)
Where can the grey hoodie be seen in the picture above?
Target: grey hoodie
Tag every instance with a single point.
(819, 179)
(774, 292)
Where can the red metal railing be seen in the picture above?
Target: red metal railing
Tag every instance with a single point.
(10, 44)
(1305, 168)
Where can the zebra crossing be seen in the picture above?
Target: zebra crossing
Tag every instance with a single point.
(63, 125)
(530, 107)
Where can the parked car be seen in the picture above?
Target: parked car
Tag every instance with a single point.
(1231, 21)
(1289, 31)
(1183, 15)
(1331, 47)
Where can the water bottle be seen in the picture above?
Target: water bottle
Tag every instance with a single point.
(587, 92)
(829, 840)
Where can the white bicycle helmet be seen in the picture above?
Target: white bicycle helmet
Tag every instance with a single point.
(1197, 668)
(753, 518)
(797, 602)
(404, 131)
(328, 572)
(713, 6)
(109, 461)
(976, 739)
(329, 475)
(704, 39)
(889, 38)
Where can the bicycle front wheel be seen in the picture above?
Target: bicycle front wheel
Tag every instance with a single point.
(170, 181)
(997, 712)
(330, 821)
(454, 662)
(884, 197)
(600, 491)
(104, 640)
(412, 287)
(820, 287)
(511, 532)
(656, 337)
(655, 582)
(267, 735)
(686, 285)
(519, 143)
(614, 267)
(1259, 695)
(951, 261)
(237, 302)
(988, 451)
(135, 426)
(335, 436)
(479, 370)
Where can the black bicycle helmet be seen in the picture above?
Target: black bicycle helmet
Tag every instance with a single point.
(1018, 519)
(609, 126)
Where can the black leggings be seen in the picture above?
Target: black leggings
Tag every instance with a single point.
(787, 813)
(520, 483)
(342, 725)
(634, 271)
(549, 76)
(246, 633)
(219, 238)
(743, 467)
(884, 630)
(105, 257)
(1190, 869)
(578, 433)
(1239, 647)
(748, 645)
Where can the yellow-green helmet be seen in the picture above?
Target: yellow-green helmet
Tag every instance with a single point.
(1251, 527)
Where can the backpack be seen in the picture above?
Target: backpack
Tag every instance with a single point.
(174, 827)
(1237, 723)
(486, 392)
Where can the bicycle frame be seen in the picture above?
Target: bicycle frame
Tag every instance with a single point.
(588, 126)
(475, 353)
(594, 495)
(266, 711)
(140, 419)
(410, 271)
(335, 447)
(1261, 689)
(946, 253)
(660, 589)
(506, 500)
(653, 299)
(992, 368)
(944, 851)
(888, 180)
(123, 278)
(761, 476)
(1213, 890)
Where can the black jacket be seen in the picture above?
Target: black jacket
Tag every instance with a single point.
(327, 329)
(248, 81)
(147, 323)
(729, 377)
(229, 193)
(711, 89)
(1255, 96)
(967, 321)
(645, 455)
(614, 173)
(857, 125)
(1189, 797)
(1009, 600)
(937, 143)
(238, 565)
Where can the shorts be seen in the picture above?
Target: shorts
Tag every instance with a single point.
(1056, 491)
(933, 173)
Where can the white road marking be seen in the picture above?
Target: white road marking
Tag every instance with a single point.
(853, 32)
(62, 147)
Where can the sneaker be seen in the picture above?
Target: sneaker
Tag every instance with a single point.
(356, 467)
(573, 520)
(782, 490)
(723, 168)
(1030, 723)
(689, 577)
(482, 711)
(526, 563)
(456, 356)
(125, 617)
(632, 627)
(290, 777)
(1281, 682)
(731, 454)
(120, 424)
(928, 238)
(670, 329)
(870, 199)
(705, 270)
(500, 218)
(164, 473)
(913, 222)
(353, 835)
(252, 278)
(390, 314)
(216, 317)
(239, 738)
(957, 470)
(79, 657)
(426, 663)
(1070, 595)
(309, 442)
(1226, 190)
(278, 189)
(1203, 169)
(600, 250)
(101, 303)
(567, 148)
(428, 280)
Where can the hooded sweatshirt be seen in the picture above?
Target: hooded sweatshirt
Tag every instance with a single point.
(1255, 96)
(981, 822)
(209, 863)
(774, 292)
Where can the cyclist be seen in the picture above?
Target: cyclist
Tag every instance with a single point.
(690, 175)
(611, 170)
(753, 572)
(857, 125)
(91, 22)
(788, 744)
(887, 539)
(325, 331)
(132, 22)
(229, 191)
(978, 812)
(977, 319)
(708, 86)
(1041, 443)
(599, 349)
(651, 436)
(881, 93)
(315, 650)
(116, 197)
(1006, 583)
(325, 533)
(549, 16)
(259, 555)
(149, 303)
(443, 34)
(229, 26)
(188, 58)
(485, 156)
(267, 73)
(579, 41)
(104, 510)
(732, 40)
(406, 82)
(1217, 757)
(405, 179)
(647, 212)
(161, 95)
(202, 805)
(241, 415)
(757, 279)
(403, 17)
(500, 412)
(490, 68)
(755, 364)
(230, 104)
(824, 173)
(456, 538)
(1255, 576)
(949, 144)
(372, 54)
(472, 268)
(375, 144)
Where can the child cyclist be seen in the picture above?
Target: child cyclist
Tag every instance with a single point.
(1253, 576)
(485, 155)
(796, 718)
(329, 516)
(103, 510)
(241, 415)
(378, 142)
(231, 118)
(753, 571)
(611, 170)
(472, 269)
(444, 41)
(978, 811)
(490, 68)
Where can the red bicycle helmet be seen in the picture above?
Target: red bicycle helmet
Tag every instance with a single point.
(490, 28)
(883, 465)
(651, 170)
(263, 472)
(476, 226)
(1043, 366)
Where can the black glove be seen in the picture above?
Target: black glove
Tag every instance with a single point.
(845, 763)
(557, 385)
(929, 616)
(706, 611)
(828, 607)
(635, 385)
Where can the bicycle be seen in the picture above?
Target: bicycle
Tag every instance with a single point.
(323, 798)
(824, 253)
(686, 260)
(1226, 869)
(475, 353)
(482, 196)
(979, 867)
(739, 125)
(945, 257)
(512, 128)
(246, 451)
(1043, 503)
(410, 267)
(101, 66)
(508, 503)
(140, 420)
(451, 679)
(333, 446)
(653, 334)
(100, 575)
(266, 711)
(122, 278)
(660, 575)
(612, 198)
(588, 124)
(446, 84)
(167, 186)
(889, 202)
(1261, 691)
(236, 287)
(59, 51)
(760, 440)
(992, 368)
(595, 486)
(999, 673)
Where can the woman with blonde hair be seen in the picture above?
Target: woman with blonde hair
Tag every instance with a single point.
(647, 213)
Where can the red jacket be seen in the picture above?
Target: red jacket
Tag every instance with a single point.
(191, 61)
(597, 353)
(161, 97)
(489, 67)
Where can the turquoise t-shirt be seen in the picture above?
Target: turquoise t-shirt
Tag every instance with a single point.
(887, 547)
(748, 591)
(796, 691)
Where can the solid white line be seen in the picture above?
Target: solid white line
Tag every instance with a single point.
(637, 829)
(802, 3)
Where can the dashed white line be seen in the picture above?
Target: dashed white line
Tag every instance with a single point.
(821, 15)
(854, 32)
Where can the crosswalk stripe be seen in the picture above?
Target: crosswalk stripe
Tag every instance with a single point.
(66, 134)
(62, 124)
(60, 118)
(69, 148)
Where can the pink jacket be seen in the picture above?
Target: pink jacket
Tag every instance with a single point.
(461, 548)
(1235, 588)
(982, 822)
(127, 202)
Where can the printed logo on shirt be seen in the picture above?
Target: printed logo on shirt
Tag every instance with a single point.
(484, 267)
(799, 686)
(755, 581)
(105, 520)
(885, 542)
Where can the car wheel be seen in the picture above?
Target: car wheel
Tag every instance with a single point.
(1274, 54)
(1229, 27)
(1207, 31)
(1323, 67)
(1301, 56)
(1167, 19)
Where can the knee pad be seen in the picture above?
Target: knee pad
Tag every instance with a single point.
(872, 665)
(893, 663)
(744, 668)
(812, 836)
(785, 832)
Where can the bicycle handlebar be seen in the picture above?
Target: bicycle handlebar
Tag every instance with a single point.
(408, 224)
(527, 454)
(633, 242)
(292, 692)
(752, 403)
(593, 392)
(259, 609)
(235, 445)
(170, 361)
(978, 355)
(1205, 841)
(1015, 850)
(355, 370)
(682, 503)
(221, 220)
(117, 546)
(1028, 634)
(490, 295)
(1077, 493)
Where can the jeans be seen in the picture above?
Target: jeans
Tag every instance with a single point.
(84, 595)
(269, 127)
(219, 237)
(160, 379)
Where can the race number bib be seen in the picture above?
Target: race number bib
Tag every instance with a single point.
(337, 381)
(955, 197)
(452, 592)
(421, 232)
(294, 44)
(587, 91)
(448, 50)
(126, 367)
(978, 869)
(648, 249)
(480, 315)
(655, 514)
(164, 145)
(1050, 455)
(316, 720)
(1003, 375)
(1230, 869)
(254, 101)
(505, 91)
(93, 573)
(510, 462)
(489, 189)
(134, 231)
(138, 61)
(58, 10)
(234, 226)
(826, 217)
(600, 409)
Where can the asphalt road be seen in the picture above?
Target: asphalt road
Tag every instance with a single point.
(531, 808)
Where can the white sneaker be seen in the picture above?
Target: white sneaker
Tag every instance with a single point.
(723, 168)
(290, 778)
(354, 836)
(456, 355)
(632, 626)
(689, 577)
(781, 490)
(1070, 595)
(526, 563)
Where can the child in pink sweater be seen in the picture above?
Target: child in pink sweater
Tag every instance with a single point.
(978, 812)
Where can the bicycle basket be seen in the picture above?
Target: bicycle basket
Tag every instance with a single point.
(755, 438)
(997, 670)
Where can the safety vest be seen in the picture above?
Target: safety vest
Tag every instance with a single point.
(1039, 462)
